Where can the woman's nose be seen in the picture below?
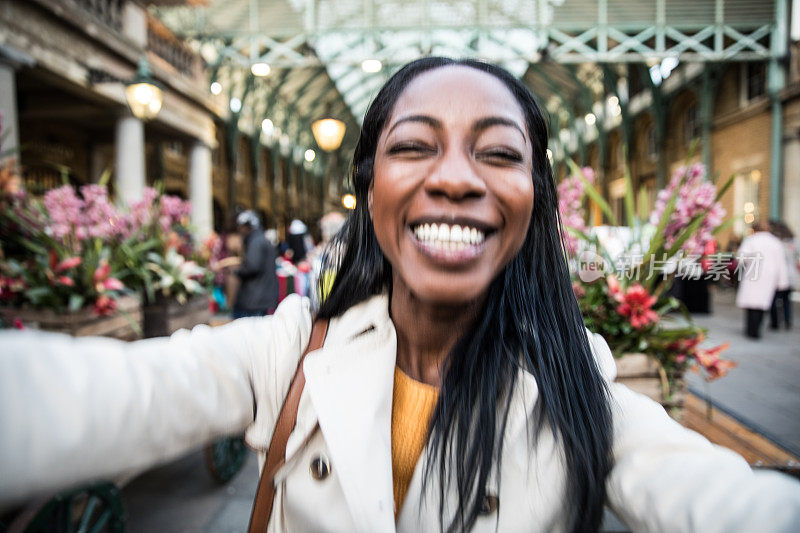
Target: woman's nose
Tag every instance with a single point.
(456, 178)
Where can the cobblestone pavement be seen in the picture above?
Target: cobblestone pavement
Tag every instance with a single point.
(763, 392)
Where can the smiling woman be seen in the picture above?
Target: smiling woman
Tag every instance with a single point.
(456, 388)
(461, 202)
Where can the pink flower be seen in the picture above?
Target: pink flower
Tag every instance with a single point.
(113, 284)
(66, 281)
(570, 206)
(613, 287)
(695, 195)
(636, 304)
(66, 264)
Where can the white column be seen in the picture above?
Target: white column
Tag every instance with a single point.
(8, 106)
(200, 189)
(129, 170)
(791, 183)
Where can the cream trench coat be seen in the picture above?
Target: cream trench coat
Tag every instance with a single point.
(74, 410)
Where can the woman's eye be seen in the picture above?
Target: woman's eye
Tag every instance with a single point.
(411, 149)
(501, 156)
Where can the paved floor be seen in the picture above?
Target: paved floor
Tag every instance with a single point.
(181, 497)
(763, 392)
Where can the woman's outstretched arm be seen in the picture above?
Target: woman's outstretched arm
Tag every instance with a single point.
(77, 409)
(668, 478)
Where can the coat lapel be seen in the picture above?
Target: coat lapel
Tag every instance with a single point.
(350, 383)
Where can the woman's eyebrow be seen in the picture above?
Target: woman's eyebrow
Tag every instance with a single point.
(488, 122)
(425, 119)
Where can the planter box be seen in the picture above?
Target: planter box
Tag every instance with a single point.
(166, 315)
(640, 373)
(125, 324)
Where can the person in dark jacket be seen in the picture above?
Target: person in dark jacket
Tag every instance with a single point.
(258, 292)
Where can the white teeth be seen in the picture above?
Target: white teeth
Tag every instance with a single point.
(449, 238)
(455, 234)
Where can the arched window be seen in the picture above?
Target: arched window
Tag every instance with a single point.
(691, 125)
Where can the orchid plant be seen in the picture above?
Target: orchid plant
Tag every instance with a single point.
(159, 257)
(623, 292)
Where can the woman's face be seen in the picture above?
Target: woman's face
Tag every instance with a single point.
(452, 193)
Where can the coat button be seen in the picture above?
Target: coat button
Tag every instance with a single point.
(489, 504)
(320, 467)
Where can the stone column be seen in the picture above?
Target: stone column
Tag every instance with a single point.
(129, 169)
(200, 189)
(8, 106)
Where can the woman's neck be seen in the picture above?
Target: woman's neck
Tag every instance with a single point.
(427, 332)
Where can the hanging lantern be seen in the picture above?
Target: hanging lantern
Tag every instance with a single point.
(143, 94)
(349, 201)
(328, 132)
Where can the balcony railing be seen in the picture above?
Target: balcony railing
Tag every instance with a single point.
(108, 11)
(162, 42)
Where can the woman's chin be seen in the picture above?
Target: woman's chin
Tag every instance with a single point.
(452, 296)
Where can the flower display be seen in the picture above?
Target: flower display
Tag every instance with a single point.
(634, 312)
(74, 248)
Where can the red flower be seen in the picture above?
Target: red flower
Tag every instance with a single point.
(66, 281)
(102, 281)
(104, 305)
(66, 264)
(636, 304)
(711, 362)
(686, 345)
(102, 271)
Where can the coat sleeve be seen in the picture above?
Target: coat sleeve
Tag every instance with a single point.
(74, 410)
(667, 478)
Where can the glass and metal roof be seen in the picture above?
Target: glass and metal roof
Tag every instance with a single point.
(331, 56)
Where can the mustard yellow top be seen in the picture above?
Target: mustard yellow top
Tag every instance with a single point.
(413, 404)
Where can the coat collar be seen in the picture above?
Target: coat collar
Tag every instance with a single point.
(350, 382)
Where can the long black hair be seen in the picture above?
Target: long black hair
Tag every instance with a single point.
(531, 321)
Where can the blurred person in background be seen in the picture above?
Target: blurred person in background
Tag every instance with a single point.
(258, 290)
(453, 385)
(322, 281)
(763, 272)
(298, 241)
(783, 296)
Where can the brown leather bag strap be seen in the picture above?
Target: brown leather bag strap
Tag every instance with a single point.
(276, 454)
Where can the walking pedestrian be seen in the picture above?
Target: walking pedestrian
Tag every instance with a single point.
(763, 273)
(258, 291)
(783, 298)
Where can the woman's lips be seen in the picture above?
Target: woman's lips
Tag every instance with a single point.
(449, 245)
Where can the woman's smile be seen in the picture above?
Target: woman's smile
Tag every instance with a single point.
(450, 244)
